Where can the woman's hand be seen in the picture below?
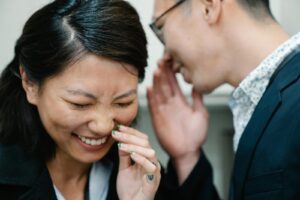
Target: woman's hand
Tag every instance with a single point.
(139, 171)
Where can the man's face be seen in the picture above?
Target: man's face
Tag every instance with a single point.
(191, 42)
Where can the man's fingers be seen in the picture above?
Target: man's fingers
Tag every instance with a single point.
(152, 104)
(171, 76)
(158, 94)
(198, 104)
(165, 82)
(197, 100)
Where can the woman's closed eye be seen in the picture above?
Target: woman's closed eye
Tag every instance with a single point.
(124, 104)
(79, 105)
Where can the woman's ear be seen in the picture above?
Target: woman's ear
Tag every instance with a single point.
(211, 10)
(31, 88)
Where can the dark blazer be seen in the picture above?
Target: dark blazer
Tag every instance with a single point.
(25, 178)
(267, 161)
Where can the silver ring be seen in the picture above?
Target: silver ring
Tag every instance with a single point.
(150, 177)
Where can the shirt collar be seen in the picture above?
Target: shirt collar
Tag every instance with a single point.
(255, 84)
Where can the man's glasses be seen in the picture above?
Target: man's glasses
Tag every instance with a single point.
(158, 30)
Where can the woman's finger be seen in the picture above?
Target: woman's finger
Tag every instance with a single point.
(146, 152)
(130, 139)
(124, 160)
(145, 163)
(132, 131)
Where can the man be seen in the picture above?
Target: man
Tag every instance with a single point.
(212, 42)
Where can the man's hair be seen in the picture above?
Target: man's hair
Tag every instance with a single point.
(257, 8)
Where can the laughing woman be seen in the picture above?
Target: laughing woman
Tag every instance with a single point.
(69, 93)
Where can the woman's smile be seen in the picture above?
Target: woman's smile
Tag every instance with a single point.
(91, 143)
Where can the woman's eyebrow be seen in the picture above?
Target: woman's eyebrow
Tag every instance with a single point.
(126, 94)
(82, 93)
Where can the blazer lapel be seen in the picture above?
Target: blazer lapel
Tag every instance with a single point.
(253, 132)
(287, 73)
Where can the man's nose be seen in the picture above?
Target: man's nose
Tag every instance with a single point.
(102, 122)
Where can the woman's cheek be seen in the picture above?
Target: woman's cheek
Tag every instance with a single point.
(126, 116)
(73, 119)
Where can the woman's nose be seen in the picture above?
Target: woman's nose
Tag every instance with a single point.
(102, 123)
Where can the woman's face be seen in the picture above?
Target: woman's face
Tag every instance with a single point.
(82, 105)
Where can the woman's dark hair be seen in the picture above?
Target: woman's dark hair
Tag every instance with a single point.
(54, 37)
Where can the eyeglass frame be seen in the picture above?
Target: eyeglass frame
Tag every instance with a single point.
(157, 31)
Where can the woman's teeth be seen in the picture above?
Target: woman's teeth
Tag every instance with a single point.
(92, 142)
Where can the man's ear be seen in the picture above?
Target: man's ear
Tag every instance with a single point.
(211, 10)
(31, 88)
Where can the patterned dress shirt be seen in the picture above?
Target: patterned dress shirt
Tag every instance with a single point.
(246, 96)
